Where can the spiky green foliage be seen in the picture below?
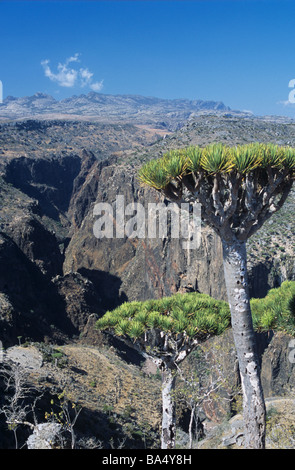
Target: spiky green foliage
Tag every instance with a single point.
(199, 314)
(175, 163)
(193, 314)
(154, 174)
(216, 159)
(276, 310)
(194, 156)
(289, 161)
(272, 156)
(245, 158)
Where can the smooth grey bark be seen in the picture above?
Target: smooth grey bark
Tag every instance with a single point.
(236, 278)
(168, 409)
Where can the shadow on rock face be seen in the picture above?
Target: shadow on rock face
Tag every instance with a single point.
(107, 287)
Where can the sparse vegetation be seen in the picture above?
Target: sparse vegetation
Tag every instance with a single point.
(52, 354)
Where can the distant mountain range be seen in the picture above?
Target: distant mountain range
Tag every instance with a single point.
(112, 108)
(168, 114)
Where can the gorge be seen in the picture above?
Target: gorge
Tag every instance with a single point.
(57, 278)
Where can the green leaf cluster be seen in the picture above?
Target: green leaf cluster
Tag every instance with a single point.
(199, 315)
(216, 159)
(246, 158)
(175, 163)
(194, 156)
(276, 310)
(192, 313)
(155, 174)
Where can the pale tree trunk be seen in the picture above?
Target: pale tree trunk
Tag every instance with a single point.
(190, 427)
(235, 269)
(168, 413)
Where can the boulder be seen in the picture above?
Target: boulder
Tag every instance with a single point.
(46, 436)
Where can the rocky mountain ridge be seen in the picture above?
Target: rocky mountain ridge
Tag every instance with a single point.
(162, 113)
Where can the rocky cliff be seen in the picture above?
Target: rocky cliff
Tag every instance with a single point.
(59, 272)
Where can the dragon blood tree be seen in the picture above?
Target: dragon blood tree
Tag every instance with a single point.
(239, 188)
(167, 330)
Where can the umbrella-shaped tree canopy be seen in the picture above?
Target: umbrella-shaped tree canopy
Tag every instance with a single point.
(167, 330)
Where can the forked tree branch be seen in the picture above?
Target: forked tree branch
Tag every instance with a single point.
(270, 210)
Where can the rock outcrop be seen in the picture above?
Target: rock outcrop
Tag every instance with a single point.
(46, 436)
(276, 352)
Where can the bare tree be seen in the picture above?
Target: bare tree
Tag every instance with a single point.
(67, 417)
(199, 387)
(19, 404)
(17, 407)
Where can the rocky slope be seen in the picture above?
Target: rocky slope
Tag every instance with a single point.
(52, 137)
(119, 394)
(120, 403)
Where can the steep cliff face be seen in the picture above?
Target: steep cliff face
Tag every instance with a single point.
(153, 267)
(59, 272)
(145, 267)
(47, 180)
(30, 304)
(54, 235)
(35, 196)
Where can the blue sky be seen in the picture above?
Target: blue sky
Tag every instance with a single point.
(241, 52)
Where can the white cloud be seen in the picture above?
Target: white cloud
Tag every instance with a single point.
(86, 77)
(285, 103)
(74, 58)
(67, 76)
(97, 86)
